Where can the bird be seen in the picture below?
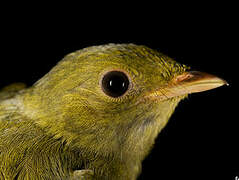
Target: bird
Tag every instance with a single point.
(95, 115)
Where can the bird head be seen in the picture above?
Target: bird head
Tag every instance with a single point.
(112, 98)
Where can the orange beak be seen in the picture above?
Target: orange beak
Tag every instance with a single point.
(187, 83)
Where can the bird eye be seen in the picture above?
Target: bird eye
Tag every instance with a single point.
(115, 83)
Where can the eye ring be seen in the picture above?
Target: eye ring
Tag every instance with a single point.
(115, 83)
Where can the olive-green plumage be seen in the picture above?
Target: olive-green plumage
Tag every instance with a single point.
(66, 127)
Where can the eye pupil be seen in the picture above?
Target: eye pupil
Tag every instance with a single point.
(115, 83)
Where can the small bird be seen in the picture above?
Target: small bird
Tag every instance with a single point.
(95, 115)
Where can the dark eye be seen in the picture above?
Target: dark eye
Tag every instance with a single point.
(115, 83)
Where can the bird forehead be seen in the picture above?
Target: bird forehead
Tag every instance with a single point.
(137, 58)
(119, 53)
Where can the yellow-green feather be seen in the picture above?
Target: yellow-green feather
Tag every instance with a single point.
(65, 122)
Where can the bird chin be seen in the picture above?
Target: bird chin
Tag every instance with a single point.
(161, 112)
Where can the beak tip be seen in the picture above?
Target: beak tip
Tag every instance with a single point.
(226, 83)
(222, 81)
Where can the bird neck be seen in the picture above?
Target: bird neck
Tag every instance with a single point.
(28, 149)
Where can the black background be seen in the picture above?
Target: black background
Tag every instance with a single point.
(201, 139)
